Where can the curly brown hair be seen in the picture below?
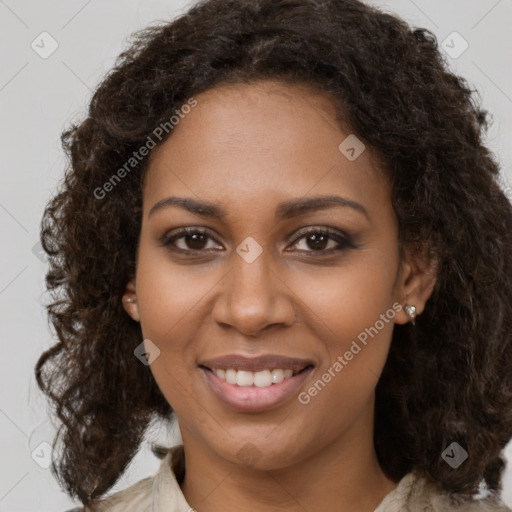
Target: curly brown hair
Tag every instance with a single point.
(447, 379)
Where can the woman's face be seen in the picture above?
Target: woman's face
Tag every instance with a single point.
(262, 281)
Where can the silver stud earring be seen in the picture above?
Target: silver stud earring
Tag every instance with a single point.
(411, 312)
(130, 300)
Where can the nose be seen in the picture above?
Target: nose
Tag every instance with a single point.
(253, 297)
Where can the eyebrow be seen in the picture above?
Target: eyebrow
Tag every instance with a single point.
(285, 210)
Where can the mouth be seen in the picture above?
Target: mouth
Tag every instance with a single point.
(255, 385)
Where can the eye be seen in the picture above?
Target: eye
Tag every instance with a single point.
(317, 239)
(322, 240)
(189, 240)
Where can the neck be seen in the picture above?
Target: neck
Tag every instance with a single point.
(343, 475)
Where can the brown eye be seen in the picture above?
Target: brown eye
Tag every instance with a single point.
(189, 240)
(196, 241)
(322, 240)
(317, 241)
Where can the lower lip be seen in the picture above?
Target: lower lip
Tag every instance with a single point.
(251, 398)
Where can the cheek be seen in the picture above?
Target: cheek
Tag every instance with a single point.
(353, 310)
(173, 305)
(348, 299)
(169, 295)
(357, 345)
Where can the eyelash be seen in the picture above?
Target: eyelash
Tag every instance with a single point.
(344, 241)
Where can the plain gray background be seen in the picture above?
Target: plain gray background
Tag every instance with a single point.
(39, 97)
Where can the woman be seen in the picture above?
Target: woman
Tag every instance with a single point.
(281, 224)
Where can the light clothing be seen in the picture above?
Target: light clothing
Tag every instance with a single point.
(162, 493)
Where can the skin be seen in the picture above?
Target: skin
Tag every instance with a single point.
(246, 148)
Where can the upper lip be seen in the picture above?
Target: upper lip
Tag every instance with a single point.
(256, 364)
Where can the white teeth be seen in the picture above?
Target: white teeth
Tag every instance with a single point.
(277, 376)
(230, 376)
(246, 378)
(262, 379)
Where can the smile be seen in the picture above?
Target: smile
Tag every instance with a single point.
(261, 379)
(247, 391)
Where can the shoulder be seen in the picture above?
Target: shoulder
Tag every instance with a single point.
(158, 493)
(136, 498)
(415, 493)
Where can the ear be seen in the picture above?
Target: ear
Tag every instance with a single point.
(130, 301)
(415, 282)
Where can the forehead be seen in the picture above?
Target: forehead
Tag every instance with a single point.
(258, 143)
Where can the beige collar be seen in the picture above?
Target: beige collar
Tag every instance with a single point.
(162, 493)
